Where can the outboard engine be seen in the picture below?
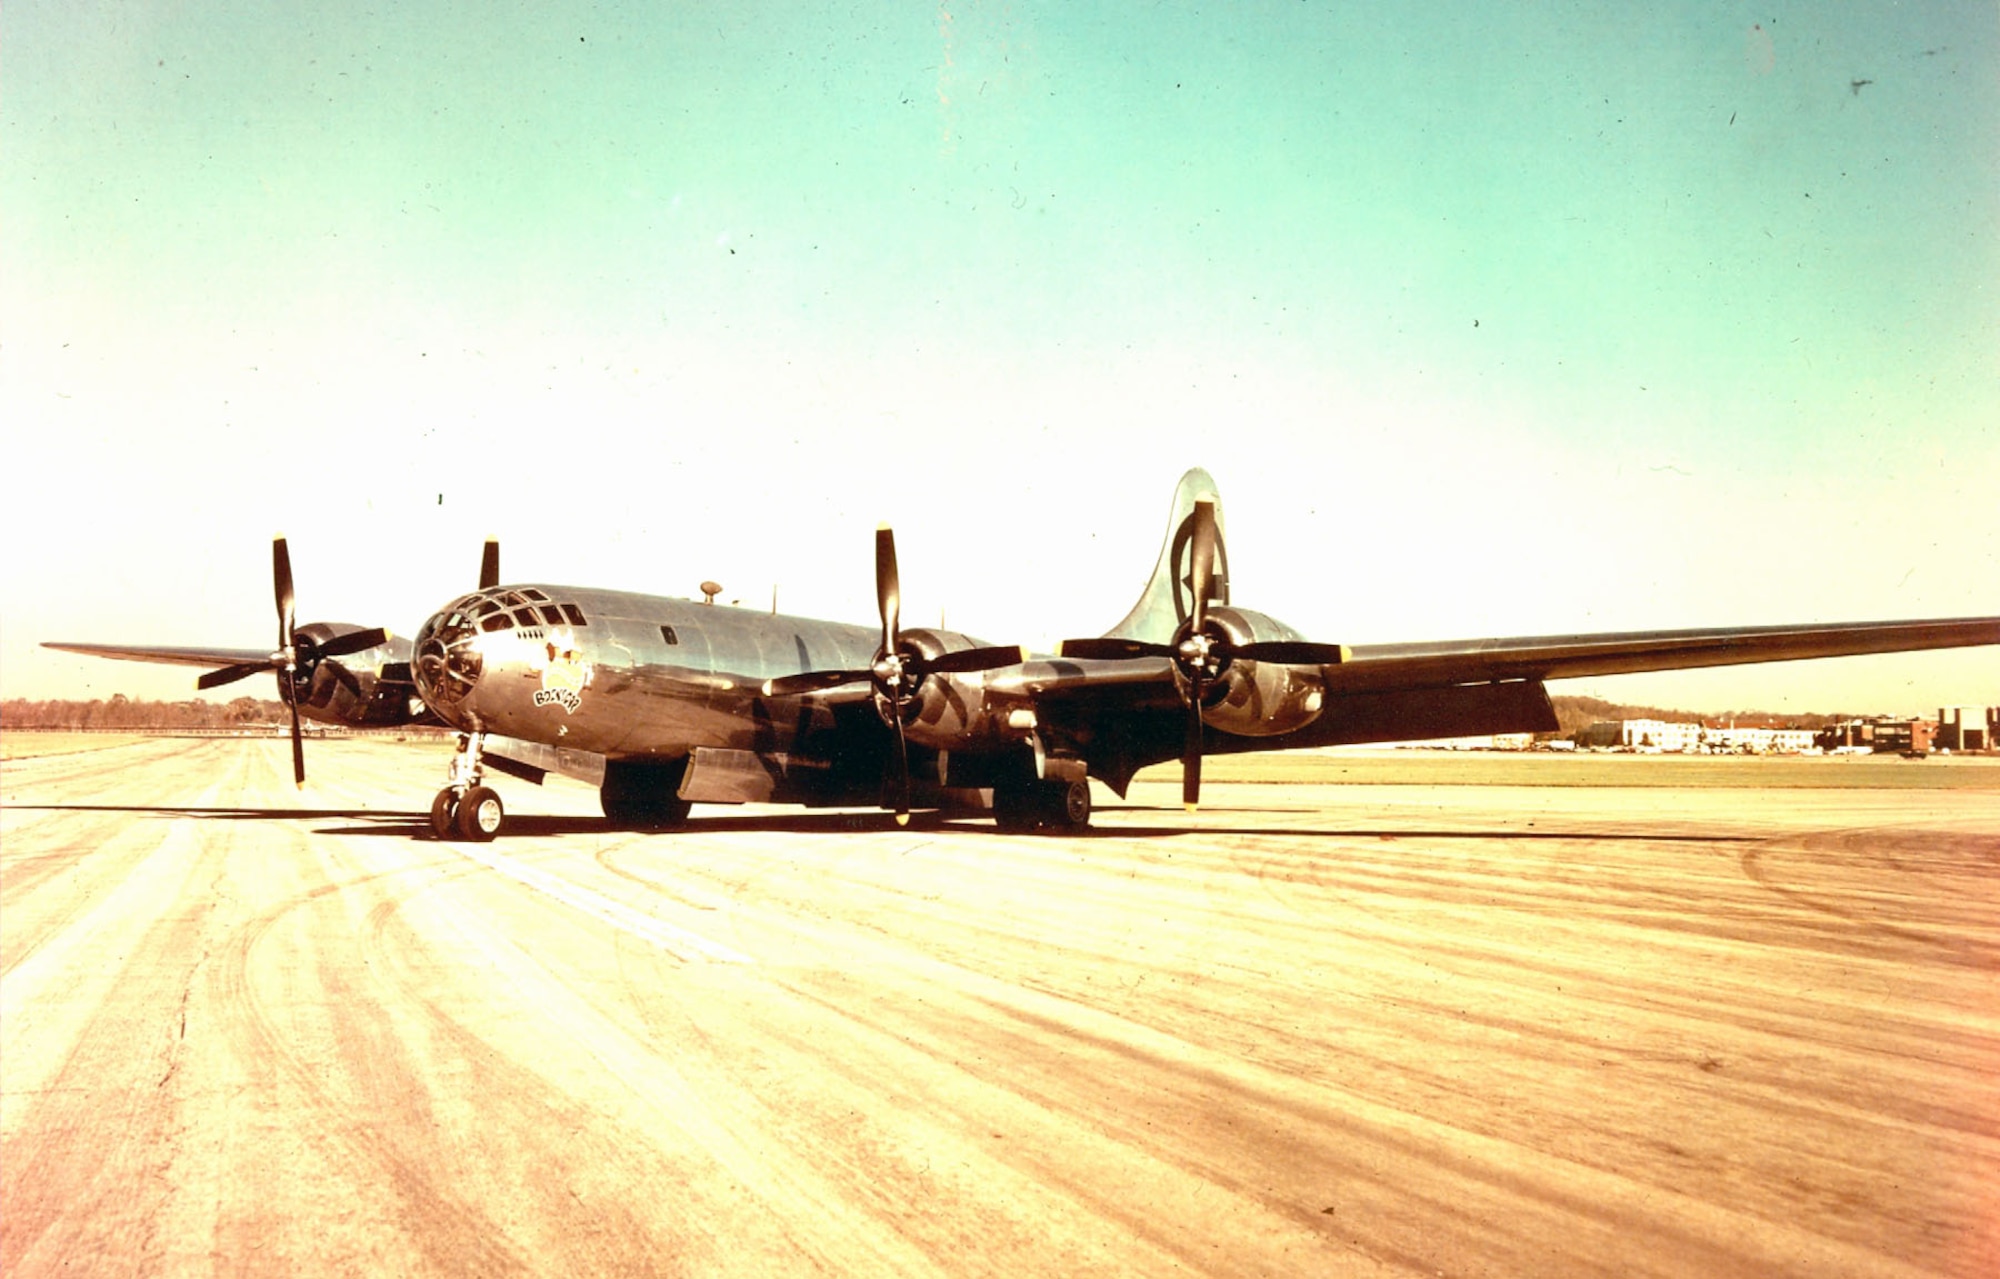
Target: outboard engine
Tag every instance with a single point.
(1258, 698)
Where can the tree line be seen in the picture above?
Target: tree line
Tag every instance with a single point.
(123, 712)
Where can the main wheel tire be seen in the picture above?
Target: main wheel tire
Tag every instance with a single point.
(444, 814)
(645, 812)
(1067, 805)
(480, 815)
(1015, 809)
(638, 796)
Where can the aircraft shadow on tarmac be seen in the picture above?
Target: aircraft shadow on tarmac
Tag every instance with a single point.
(375, 822)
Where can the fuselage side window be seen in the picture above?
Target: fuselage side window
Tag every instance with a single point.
(667, 634)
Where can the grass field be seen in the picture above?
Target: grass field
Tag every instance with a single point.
(1506, 768)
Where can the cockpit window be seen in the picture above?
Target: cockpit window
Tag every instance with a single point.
(526, 617)
(497, 622)
(534, 595)
(552, 615)
(574, 614)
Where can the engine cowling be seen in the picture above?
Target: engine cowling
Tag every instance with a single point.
(947, 711)
(351, 689)
(1260, 699)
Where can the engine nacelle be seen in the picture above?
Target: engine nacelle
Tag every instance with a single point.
(947, 712)
(1260, 699)
(351, 690)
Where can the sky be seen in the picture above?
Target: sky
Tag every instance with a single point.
(1488, 320)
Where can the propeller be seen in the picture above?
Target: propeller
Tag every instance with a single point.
(897, 671)
(295, 652)
(1199, 652)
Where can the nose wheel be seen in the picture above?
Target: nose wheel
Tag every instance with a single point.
(465, 809)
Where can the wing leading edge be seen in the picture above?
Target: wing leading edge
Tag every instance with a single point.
(170, 656)
(1376, 667)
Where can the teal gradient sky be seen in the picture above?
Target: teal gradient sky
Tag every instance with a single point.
(1488, 321)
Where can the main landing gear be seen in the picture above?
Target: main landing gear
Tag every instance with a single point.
(465, 809)
(1059, 807)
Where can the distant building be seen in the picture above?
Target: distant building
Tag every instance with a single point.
(1967, 728)
(1679, 738)
(1848, 735)
(1760, 741)
(1643, 735)
(1904, 736)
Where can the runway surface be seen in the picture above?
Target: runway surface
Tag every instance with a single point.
(1310, 1030)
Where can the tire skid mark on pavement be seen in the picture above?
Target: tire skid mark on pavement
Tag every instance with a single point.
(675, 940)
(448, 1229)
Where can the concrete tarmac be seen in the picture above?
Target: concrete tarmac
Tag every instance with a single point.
(1318, 1030)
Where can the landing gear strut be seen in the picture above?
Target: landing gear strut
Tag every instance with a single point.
(465, 809)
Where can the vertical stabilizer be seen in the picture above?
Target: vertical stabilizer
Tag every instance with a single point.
(1168, 597)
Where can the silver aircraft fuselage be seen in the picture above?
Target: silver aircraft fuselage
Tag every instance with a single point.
(622, 674)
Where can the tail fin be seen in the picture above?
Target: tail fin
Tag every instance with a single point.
(1167, 599)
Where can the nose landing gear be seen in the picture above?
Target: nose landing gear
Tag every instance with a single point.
(465, 809)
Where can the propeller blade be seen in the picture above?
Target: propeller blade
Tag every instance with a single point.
(902, 764)
(342, 645)
(344, 677)
(298, 746)
(286, 660)
(281, 582)
(1202, 570)
(812, 682)
(489, 565)
(976, 659)
(230, 674)
(1111, 648)
(888, 590)
(1191, 750)
(1291, 653)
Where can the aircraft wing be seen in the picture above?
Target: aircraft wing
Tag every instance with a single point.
(1124, 714)
(210, 657)
(1376, 667)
